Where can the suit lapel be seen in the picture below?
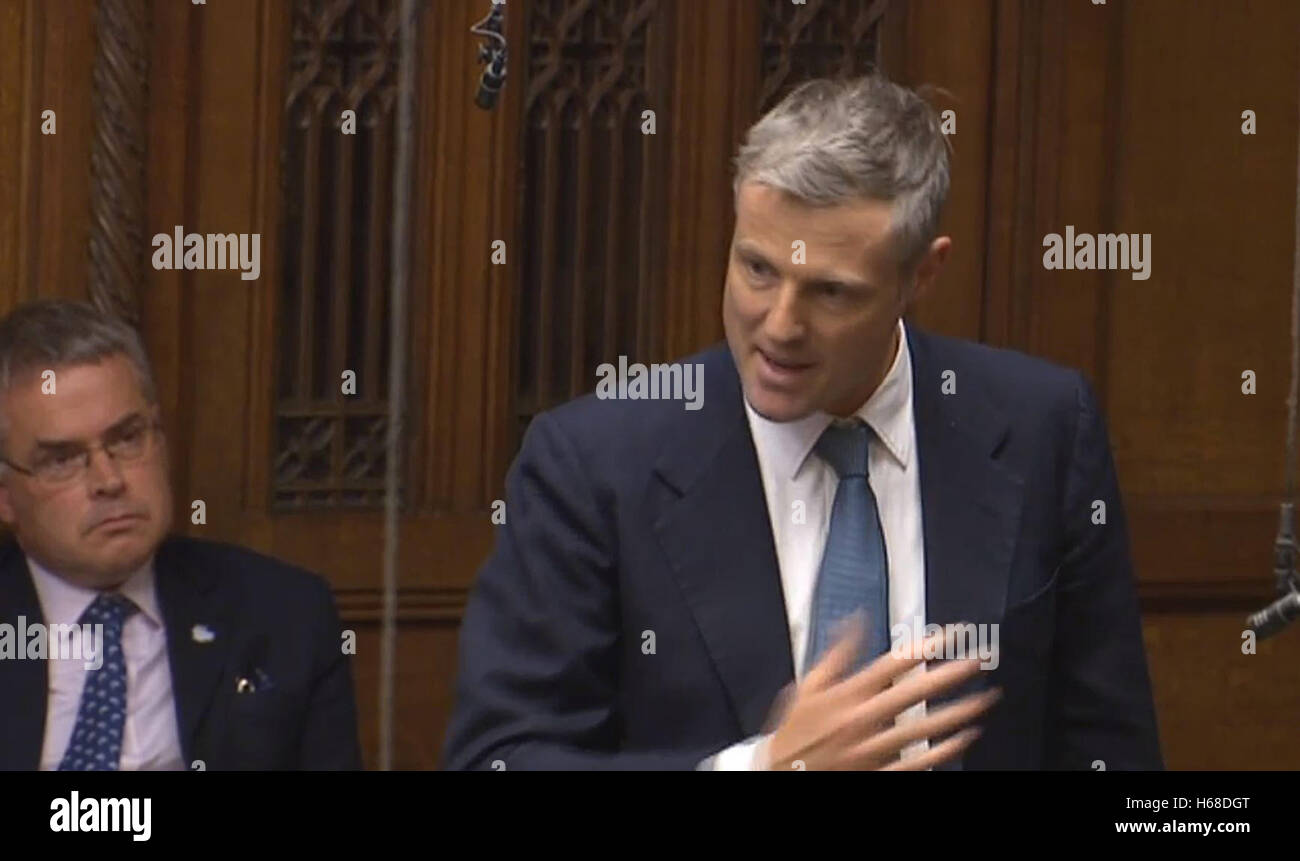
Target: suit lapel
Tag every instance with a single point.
(718, 540)
(199, 633)
(970, 501)
(23, 684)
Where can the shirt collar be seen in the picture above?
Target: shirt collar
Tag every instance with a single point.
(888, 411)
(63, 603)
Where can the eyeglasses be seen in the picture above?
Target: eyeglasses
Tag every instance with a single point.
(62, 466)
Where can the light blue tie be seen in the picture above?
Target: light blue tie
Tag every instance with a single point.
(855, 570)
(96, 743)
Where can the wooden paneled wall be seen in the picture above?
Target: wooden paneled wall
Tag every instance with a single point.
(1117, 117)
(1127, 117)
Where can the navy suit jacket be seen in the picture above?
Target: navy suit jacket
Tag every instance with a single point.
(625, 517)
(265, 615)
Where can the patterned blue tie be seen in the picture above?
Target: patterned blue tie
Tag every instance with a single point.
(96, 743)
(855, 570)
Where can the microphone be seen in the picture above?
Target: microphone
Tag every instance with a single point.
(1284, 551)
(493, 53)
(1286, 609)
(1275, 616)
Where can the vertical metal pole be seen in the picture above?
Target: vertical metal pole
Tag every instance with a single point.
(396, 376)
(1284, 546)
(1295, 344)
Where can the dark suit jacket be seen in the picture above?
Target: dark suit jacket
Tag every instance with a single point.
(264, 614)
(625, 517)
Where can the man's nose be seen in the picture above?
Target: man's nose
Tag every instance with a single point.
(784, 321)
(104, 474)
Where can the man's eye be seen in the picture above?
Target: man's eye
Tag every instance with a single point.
(755, 267)
(831, 289)
(130, 435)
(62, 459)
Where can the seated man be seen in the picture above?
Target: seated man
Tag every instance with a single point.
(204, 655)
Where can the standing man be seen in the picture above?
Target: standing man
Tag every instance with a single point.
(667, 587)
(211, 656)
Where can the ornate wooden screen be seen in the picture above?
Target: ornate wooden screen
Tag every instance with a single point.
(329, 443)
(820, 38)
(592, 193)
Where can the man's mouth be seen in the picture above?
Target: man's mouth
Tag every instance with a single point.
(118, 521)
(779, 369)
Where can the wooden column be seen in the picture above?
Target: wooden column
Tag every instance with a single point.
(117, 161)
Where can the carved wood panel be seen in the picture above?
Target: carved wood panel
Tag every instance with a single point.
(591, 194)
(817, 39)
(337, 177)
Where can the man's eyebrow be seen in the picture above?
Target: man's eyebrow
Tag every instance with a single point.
(744, 248)
(116, 427)
(851, 283)
(57, 444)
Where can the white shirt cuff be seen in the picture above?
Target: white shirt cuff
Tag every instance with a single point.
(748, 755)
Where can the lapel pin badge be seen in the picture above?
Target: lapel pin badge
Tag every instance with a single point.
(202, 634)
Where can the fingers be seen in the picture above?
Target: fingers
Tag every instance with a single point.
(882, 672)
(950, 748)
(887, 744)
(860, 707)
(885, 705)
(837, 660)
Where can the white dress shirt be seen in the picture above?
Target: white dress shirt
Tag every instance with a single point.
(795, 478)
(150, 741)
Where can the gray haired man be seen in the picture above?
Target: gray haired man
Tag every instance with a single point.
(872, 547)
(209, 656)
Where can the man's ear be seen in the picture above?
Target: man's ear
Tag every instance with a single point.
(927, 271)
